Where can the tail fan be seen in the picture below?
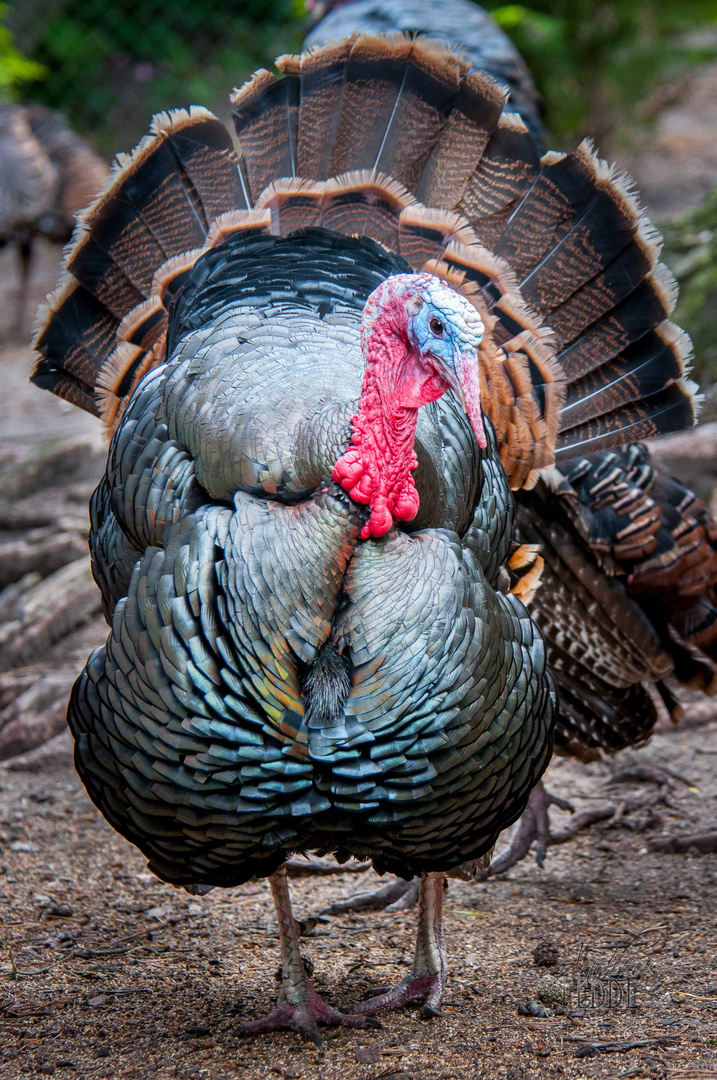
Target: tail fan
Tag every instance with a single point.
(396, 139)
(161, 202)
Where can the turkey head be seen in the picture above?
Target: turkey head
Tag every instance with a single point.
(419, 339)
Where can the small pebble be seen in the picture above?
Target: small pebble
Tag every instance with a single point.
(533, 1008)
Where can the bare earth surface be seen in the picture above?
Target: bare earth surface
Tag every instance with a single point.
(106, 972)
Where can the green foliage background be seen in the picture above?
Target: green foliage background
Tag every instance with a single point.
(602, 65)
(110, 64)
(15, 69)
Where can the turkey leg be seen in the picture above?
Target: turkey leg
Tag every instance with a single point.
(299, 1007)
(428, 973)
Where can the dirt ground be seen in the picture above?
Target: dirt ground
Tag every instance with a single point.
(106, 972)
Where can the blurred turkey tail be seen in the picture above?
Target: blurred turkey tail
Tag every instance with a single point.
(696, 625)
(627, 595)
(648, 527)
(161, 202)
(81, 172)
(681, 573)
(602, 648)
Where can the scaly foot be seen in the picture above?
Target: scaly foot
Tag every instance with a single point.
(428, 973)
(304, 1017)
(426, 988)
(299, 1007)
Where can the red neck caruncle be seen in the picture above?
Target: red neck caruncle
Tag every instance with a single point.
(376, 469)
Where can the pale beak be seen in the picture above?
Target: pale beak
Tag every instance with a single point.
(465, 384)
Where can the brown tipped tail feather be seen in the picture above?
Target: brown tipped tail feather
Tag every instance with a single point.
(392, 138)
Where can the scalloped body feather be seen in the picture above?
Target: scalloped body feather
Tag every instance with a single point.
(211, 313)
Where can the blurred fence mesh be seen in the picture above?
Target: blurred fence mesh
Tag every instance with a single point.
(110, 64)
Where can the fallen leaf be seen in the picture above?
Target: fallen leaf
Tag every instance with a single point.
(461, 911)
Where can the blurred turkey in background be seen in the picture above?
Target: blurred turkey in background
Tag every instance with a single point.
(47, 176)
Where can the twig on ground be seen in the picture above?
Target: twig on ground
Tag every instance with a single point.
(703, 842)
(304, 866)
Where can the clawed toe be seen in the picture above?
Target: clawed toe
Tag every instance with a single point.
(427, 977)
(306, 1017)
(301, 1009)
(412, 988)
(534, 826)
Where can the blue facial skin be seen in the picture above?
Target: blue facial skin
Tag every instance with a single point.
(430, 333)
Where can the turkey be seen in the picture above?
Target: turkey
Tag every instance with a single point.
(323, 365)
(47, 175)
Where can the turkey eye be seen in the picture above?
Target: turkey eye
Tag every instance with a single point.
(436, 326)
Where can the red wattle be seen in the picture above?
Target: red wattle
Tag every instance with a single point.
(376, 467)
(407, 504)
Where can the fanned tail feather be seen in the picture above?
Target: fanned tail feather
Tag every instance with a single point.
(393, 138)
(160, 204)
(321, 83)
(598, 284)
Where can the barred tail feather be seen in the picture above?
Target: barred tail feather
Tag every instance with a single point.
(668, 410)
(160, 201)
(395, 139)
